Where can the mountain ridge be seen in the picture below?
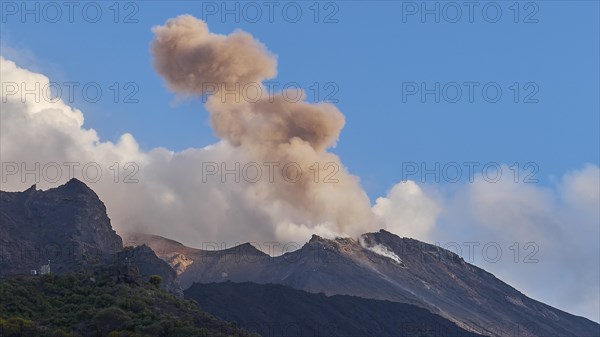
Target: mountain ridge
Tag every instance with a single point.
(406, 271)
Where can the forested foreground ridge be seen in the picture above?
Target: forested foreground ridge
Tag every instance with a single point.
(113, 301)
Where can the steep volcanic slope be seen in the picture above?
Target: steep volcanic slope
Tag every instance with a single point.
(67, 225)
(396, 269)
(470, 294)
(276, 310)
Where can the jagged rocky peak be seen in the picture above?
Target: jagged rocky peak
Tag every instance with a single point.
(316, 239)
(244, 249)
(384, 242)
(67, 225)
(383, 236)
(411, 249)
(345, 240)
(320, 243)
(324, 249)
(402, 251)
(75, 184)
(248, 248)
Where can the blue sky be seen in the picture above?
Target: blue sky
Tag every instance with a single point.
(368, 54)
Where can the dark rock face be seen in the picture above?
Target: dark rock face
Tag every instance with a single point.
(67, 225)
(409, 272)
(276, 310)
(146, 261)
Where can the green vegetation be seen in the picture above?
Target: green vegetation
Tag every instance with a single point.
(100, 304)
(155, 280)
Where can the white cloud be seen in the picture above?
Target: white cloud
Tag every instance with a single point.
(407, 211)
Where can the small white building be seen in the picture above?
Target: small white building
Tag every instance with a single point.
(45, 269)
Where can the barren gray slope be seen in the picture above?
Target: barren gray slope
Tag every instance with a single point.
(425, 275)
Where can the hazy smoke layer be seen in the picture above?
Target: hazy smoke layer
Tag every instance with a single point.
(270, 129)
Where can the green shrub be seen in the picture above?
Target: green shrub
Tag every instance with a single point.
(156, 280)
(109, 319)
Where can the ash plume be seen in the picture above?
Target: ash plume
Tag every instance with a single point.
(188, 56)
(270, 129)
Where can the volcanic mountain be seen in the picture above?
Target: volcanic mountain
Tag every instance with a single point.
(381, 266)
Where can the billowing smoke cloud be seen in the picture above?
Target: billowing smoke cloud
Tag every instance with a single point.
(270, 129)
(192, 59)
(408, 210)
